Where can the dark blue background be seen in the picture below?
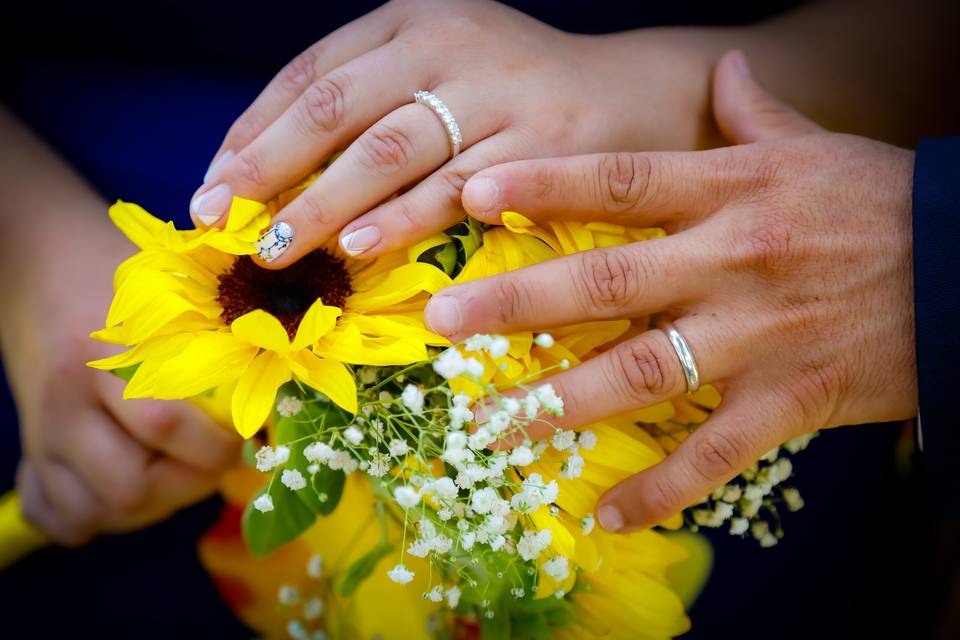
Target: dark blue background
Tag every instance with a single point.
(138, 98)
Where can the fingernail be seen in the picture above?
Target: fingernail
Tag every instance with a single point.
(275, 241)
(610, 518)
(481, 196)
(443, 315)
(740, 63)
(212, 204)
(356, 242)
(213, 171)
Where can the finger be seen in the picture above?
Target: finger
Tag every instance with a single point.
(600, 284)
(745, 111)
(108, 459)
(332, 111)
(346, 43)
(637, 373)
(734, 437)
(431, 206)
(176, 485)
(69, 519)
(176, 429)
(403, 147)
(634, 189)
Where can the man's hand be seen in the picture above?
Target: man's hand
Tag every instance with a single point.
(788, 270)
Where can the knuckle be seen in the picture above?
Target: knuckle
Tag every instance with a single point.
(641, 370)
(125, 494)
(609, 278)
(248, 167)
(452, 180)
(406, 217)
(624, 181)
(159, 421)
(385, 149)
(769, 246)
(313, 210)
(323, 105)
(246, 127)
(817, 390)
(299, 72)
(662, 500)
(510, 300)
(715, 456)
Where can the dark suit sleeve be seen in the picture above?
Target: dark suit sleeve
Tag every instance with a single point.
(936, 273)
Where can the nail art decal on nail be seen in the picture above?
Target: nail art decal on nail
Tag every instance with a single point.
(275, 241)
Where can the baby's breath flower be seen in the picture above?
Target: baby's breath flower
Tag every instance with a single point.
(739, 526)
(521, 456)
(572, 467)
(544, 340)
(353, 435)
(474, 367)
(450, 364)
(557, 568)
(398, 448)
(379, 465)
(297, 631)
(498, 422)
(768, 540)
(266, 459)
(406, 497)
(531, 406)
(587, 440)
(731, 493)
(263, 504)
(548, 397)
(478, 342)
(315, 567)
(532, 543)
(289, 406)
(435, 594)
(498, 346)
(793, 499)
(288, 595)
(412, 398)
(453, 596)
(319, 452)
(563, 440)
(293, 479)
(313, 608)
(483, 500)
(587, 523)
(400, 574)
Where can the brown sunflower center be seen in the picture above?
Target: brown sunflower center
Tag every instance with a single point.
(284, 293)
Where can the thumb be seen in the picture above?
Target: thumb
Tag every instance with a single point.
(745, 111)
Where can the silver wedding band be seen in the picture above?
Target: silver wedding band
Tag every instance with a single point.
(685, 355)
(436, 105)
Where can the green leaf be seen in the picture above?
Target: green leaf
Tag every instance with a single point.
(322, 494)
(125, 373)
(447, 257)
(361, 569)
(264, 532)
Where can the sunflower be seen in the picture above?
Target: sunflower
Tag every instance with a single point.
(199, 314)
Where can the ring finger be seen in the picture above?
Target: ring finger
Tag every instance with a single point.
(401, 148)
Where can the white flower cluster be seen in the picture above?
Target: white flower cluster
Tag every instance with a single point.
(305, 604)
(748, 500)
(411, 419)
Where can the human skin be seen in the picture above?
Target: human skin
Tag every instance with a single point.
(520, 89)
(92, 462)
(788, 269)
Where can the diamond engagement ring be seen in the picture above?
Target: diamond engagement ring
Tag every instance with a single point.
(685, 355)
(436, 105)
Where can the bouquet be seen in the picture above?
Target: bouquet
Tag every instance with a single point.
(391, 487)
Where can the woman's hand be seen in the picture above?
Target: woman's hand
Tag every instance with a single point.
(92, 462)
(517, 88)
(788, 270)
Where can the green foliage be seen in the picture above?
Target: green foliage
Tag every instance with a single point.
(264, 532)
(465, 238)
(361, 569)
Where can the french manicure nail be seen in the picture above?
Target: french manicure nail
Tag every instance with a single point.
(482, 195)
(610, 518)
(212, 203)
(208, 219)
(275, 241)
(443, 315)
(216, 167)
(358, 241)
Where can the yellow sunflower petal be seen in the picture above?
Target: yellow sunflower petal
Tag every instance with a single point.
(142, 229)
(317, 322)
(401, 284)
(435, 240)
(243, 212)
(328, 376)
(261, 329)
(255, 392)
(209, 360)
